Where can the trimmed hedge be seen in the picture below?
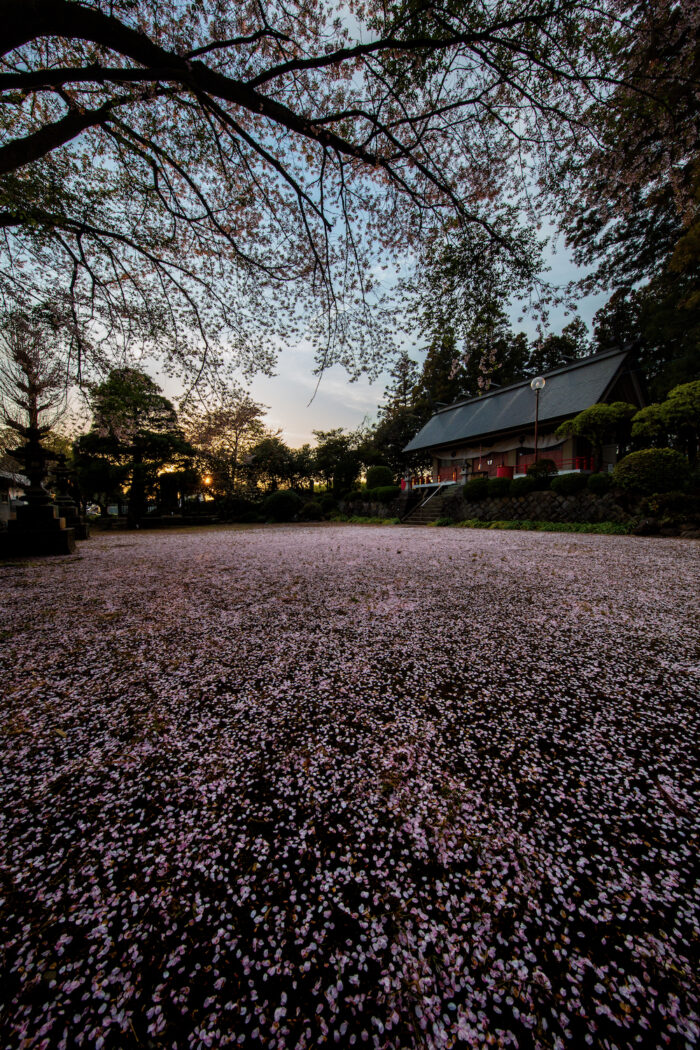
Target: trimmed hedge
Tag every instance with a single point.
(652, 470)
(355, 496)
(498, 487)
(542, 472)
(327, 501)
(568, 484)
(235, 508)
(675, 506)
(311, 511)
(522, 486)
(599, 484)
(476, 490)
(379, 476)
(383, 494)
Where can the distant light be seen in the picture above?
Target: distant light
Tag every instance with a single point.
(537, 383)
(207, 479)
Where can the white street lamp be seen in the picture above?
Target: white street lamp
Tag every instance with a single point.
(537, 384)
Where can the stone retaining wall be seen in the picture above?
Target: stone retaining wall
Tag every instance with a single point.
(584, 507)
(367, 509)
(540, 506)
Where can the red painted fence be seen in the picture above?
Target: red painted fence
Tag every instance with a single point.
(455, 474)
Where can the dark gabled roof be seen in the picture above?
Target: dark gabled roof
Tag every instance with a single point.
(14, 479)
(568, 390)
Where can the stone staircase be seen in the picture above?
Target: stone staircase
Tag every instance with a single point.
(430, 511)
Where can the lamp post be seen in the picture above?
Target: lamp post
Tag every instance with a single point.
(537, 384)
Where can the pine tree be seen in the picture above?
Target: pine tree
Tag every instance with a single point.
(135, 429)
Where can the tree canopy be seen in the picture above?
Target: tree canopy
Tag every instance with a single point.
(135, 432)
(630, 195)
(338, 459)
(598, 423)
(192, 175)
(676, 419)
(629, 198)
(223, 425)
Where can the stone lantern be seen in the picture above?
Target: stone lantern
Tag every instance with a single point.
(37, 527)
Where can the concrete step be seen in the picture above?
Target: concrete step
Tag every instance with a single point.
(423, 515)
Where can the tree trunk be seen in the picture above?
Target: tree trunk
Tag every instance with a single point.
(137, 497)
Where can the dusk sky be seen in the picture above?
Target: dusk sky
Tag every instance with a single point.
(340, 403)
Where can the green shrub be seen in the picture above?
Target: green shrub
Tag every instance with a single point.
(327, 502)
(356, 496)
(652, 470)
(522, 486)
(498, 488)
(311, 511)
(383, 494)
(234, 508)
(379, 476)
(283, 505)
(476, 490)
(356, 519)
(542, 472)
(677, 506)
(599, 484)
(568, 484)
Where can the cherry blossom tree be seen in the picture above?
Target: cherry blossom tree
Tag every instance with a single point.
(223, 426)
(199, 176)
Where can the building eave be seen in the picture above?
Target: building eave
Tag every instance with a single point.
(571, 388)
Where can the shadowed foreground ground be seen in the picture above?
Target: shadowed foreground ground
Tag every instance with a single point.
(288, 786)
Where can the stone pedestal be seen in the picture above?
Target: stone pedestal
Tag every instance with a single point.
(38, 530)
(69, 513)
(67, 507)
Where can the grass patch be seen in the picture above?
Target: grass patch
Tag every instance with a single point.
(359, 519)
(604, 528)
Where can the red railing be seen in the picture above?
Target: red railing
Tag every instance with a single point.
(485, 469)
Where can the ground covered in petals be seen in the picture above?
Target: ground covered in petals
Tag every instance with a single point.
(287, 786)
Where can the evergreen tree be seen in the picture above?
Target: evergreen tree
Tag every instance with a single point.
(441, 380)
(662, 319)
(399, 394)
(270, 462)
(135, 432)
(391, 435)
(556, 350)
(675, 421)
(338, 458)
(631, 201)
(599, 423)
(494, 354)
